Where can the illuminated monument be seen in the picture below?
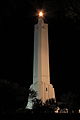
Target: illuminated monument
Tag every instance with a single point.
(41, 73)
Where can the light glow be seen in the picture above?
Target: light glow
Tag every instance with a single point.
(41, 14)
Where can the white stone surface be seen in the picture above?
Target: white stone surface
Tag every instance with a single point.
(41, 72)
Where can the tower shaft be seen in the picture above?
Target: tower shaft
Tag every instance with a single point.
(41, 53)
(41, 73)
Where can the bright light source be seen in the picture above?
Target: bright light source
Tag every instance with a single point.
(41, 14)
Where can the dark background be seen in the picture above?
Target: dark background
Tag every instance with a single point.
(17, 38)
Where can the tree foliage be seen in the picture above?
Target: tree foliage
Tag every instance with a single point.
(12, 96)
(48, 106)
(70, 101)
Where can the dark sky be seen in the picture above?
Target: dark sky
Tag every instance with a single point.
(17, 38)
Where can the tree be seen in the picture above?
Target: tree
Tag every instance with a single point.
(51, 104)
(12, 96)
(7, 97)
(70, 101)
(32, 94)
(37, 105)
(48, 107)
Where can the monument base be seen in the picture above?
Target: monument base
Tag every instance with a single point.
(44, 91)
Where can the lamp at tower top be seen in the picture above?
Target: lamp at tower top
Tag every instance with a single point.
(41, 14)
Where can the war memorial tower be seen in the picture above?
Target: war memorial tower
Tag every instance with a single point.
(41, 72)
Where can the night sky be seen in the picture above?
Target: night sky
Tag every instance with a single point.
(17, 38)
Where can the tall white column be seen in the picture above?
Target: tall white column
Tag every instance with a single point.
(41, 53)
(41, 72)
